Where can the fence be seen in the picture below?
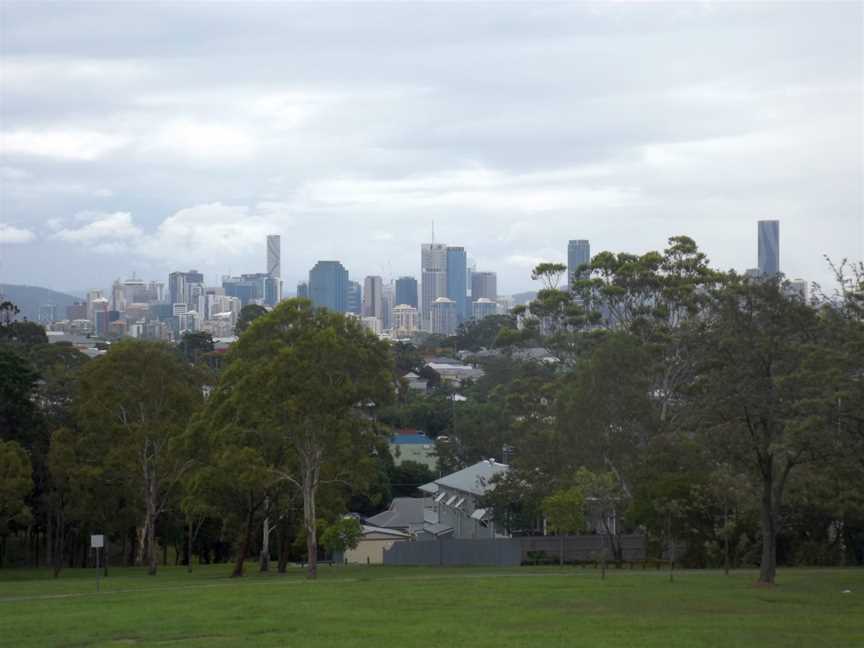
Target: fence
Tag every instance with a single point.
(506, 551)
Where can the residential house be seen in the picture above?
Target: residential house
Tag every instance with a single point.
(413, 445)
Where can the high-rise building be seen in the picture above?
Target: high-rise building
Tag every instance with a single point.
(328, 286)
(484, 284)
(303, 290)
(373, 298)
(354, 299)
(254, 288)
(769, 247)
(484, 307)
(404, 320)
(578, 254)
(443, 318)
(457, 266)
(388, 300)
(47, 313)
(183, 285)
(76, 311)
(406, 291)
(433, 277)
(274, 269)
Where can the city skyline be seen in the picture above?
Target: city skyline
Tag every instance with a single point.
(122, 156)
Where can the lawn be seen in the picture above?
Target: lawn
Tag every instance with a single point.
(413, 606)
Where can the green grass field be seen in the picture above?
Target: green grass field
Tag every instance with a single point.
(413, 606)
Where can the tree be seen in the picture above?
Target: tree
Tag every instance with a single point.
(749, 397)
(565, 513)
(17, 387)
(195, 345)
(312, 375)
(344, 533)
(16, 483)
(248, 314)
(135, 403)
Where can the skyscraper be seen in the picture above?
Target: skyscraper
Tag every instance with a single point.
(303, 290)
(456, 287)
(406, 291)
(354, 300)
(183, 286)
(328, 286)
(274, 269)
(443, 320)
(484, 307)
(373, 304)
(769, 247)
(578, 254)
(484, 284)
(433, 277)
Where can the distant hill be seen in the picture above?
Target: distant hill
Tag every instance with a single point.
(30, 298)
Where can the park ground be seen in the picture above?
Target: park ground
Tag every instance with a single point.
(416, 606)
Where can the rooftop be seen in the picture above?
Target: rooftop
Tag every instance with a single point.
(473, 479)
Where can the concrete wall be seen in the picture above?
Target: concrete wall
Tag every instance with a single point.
(370, 551)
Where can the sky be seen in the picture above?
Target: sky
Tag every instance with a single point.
(146, 137)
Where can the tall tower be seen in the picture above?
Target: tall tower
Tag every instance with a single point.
(433, 278)
(373, 304)
(274, 268)
(578, 254)
(769, 247)
(328, 286)
(457, 287)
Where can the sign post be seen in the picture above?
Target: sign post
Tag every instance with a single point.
(97, 542)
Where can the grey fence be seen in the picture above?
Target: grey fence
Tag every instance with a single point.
(508, 551)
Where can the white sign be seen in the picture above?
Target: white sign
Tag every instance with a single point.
(97, 541)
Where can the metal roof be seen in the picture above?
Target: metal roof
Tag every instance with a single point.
(473, 479)
(403, 512)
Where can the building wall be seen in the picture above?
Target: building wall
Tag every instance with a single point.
(484, 284)
(328, 285)
(578, 253)
(456, 286)
(406, 291)
(422, 453)
(769, 247)
(370, 550)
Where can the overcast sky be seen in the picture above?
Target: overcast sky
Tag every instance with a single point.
(151, 137)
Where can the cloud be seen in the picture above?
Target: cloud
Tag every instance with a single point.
(12, 234)
(101, 229)
(61, 144)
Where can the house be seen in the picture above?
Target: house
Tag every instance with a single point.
(405, 514)
(415, 382)
(453, 502)
(370, 548)
(453, 371)
(413, 445)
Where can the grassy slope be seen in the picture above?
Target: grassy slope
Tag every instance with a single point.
(476, 607)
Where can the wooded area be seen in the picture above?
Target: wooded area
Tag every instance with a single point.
(712, 412)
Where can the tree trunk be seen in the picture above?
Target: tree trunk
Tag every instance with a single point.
(264, 561)
(151, 543)
(283, 546)
(189, 547)
(768, 521)
(309, 521)
(247, 540)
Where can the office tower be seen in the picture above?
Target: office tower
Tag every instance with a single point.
(404, 320)
(457, 266)
(372, 324)
(406, 291)
(328, 286)
(303, 290)
(373, 303)
(388, 299)
(484, 284)
(484, 307)
(182, 285)
(99, 311)
(769, 247)
(253, 288)
(354, 299)
(47, 313)
(578, 254)
(472, 268)
(76, 311)
(433, 278)
(274, 269)
(443, 316)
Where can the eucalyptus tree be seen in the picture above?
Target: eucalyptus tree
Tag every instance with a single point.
(309, 378)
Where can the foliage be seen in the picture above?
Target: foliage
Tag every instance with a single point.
(565, 510)
(344, 533)
(248, 314)
(15, 485)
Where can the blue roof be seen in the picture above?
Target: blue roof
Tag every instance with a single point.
(408, 439)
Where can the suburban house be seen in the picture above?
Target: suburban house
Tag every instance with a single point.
(454, 371)
(454, 503)
(415, 382)
(405, 514)
(413, 445)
